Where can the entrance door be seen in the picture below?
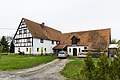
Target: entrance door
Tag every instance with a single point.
(74, 52)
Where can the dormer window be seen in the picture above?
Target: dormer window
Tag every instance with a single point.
(74, 40)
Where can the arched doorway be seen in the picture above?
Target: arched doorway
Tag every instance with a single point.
(74, 51)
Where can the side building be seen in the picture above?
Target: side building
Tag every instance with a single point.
(80, 42)
(35, 38)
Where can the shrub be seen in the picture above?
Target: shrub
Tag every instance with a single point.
(1, 49)
(21, 53)
(115, 67)
(103, 70)
(103, 67)
(89, 68)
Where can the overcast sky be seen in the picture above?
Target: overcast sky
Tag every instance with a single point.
(64, 15)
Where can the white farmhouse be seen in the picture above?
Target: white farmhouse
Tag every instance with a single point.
(34, 38)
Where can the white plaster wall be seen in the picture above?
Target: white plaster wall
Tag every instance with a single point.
(23, 49)
(77, 47)
(36, 44)
(46, 44)
(17, 36)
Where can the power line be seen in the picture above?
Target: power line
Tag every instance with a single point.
(8, 28)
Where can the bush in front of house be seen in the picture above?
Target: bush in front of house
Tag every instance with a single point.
(21, 53)
(104, 69)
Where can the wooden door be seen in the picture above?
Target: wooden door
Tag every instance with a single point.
(74, 51)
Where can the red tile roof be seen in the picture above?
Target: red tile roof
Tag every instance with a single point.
(95, 39)
(41, 31)
(62, 46)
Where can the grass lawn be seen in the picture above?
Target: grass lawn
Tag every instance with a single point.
(72, 69)
(14, 61)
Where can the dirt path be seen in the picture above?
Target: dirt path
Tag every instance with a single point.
(49, 71)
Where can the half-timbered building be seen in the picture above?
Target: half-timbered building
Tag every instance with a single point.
(35, 38)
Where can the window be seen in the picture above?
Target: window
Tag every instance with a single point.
(79, 49)
(22, 23)
(17, 41)
(20, 40)
(37, 49)
(20, 31)
(41, 41)
(74, 40)
(52, 42)
(45, 49)
(28, 40)
(30, 50)
(25, 31)
(26, 49)
(41, 50)
(56, 42)
(84, 50)
(70, 50)
(18, 49)
(85, 47)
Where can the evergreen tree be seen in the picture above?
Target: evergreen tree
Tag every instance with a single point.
(12, 47)
(113, 41)
(115, 68)
(103, 66)
(103, 70)
(1, 49)
(4, 42)
(89, 70)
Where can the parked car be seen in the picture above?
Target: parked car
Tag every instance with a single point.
(81, 55)
(62, 54)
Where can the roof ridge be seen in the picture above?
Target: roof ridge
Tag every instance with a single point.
(31, 21)
(88, 31)
(41, 24)
(42, 31)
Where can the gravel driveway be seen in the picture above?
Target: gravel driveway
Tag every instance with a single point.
(48, 71)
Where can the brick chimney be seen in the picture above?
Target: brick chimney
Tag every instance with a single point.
(43, 24)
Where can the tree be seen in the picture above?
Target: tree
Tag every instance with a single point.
(12, 47)
(115, 68)
(113, 41)
(4, 42)
(89, 70)
(1, 49)
(105, 69)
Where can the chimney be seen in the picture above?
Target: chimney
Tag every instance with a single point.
(43, 24)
